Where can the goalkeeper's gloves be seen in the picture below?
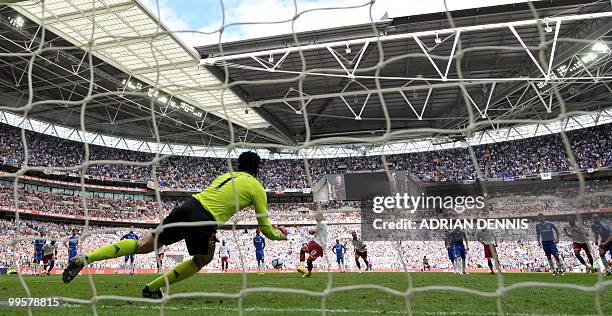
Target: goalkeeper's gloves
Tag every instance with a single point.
(283, 231)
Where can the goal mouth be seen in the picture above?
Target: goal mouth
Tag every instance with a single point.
(405, 130)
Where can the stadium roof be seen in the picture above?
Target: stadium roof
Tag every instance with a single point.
(129, 46)
(341, 90)
(502, 80)
(413, 145)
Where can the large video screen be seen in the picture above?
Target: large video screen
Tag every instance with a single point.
(360, 186)
(336, 187)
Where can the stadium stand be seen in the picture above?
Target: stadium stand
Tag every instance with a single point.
(517, 158)
(526, 157)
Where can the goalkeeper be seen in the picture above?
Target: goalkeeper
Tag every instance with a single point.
(216, 204)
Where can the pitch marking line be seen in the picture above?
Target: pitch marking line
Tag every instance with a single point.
(314, 310)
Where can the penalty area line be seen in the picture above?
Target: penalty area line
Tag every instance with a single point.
(314, 310)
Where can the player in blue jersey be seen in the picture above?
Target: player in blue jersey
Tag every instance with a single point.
(449, 250)
(339, 249)
(548, 237)
(72, 243)
(260, 244)
(457, 237)
(132, 236)
(603, 238)
(39, 244)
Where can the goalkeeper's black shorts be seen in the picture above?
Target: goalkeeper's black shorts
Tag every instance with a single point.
(200, 240)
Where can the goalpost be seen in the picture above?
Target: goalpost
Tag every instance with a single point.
(89, 30)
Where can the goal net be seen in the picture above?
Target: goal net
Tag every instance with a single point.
(115, 64)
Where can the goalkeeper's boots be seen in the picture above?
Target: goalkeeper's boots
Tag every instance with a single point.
(301, 270)
(74, 267)
(307, 274)
(147, 293)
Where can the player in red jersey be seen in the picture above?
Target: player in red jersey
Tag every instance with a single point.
(224, 254)
(313, 248)
(580, 241)
(360, 252)
(426, 265)
(49, 254)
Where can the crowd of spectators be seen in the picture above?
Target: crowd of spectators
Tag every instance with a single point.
(517, 249)
(148, 210)
(530, 201)
(525, 157)
(63, 204)
(553, 201)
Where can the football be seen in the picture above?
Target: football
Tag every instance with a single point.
(277, 263)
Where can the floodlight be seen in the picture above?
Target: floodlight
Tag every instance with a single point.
(600, 47)
(17, 21)
(438, 40)
(588, 58)
(548, 29)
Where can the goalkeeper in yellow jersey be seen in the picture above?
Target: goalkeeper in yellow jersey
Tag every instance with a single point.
(216, 204)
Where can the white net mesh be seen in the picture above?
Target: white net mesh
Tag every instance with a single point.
(100, 40)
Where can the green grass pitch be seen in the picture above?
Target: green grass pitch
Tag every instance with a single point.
(526, 301)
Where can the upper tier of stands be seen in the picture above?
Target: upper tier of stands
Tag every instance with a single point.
(518, 158)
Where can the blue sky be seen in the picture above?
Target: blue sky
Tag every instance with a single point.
(195, 13)
(206, 15)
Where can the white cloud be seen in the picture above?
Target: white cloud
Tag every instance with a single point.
(255, 16)
(266, 11)
(170, 18)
